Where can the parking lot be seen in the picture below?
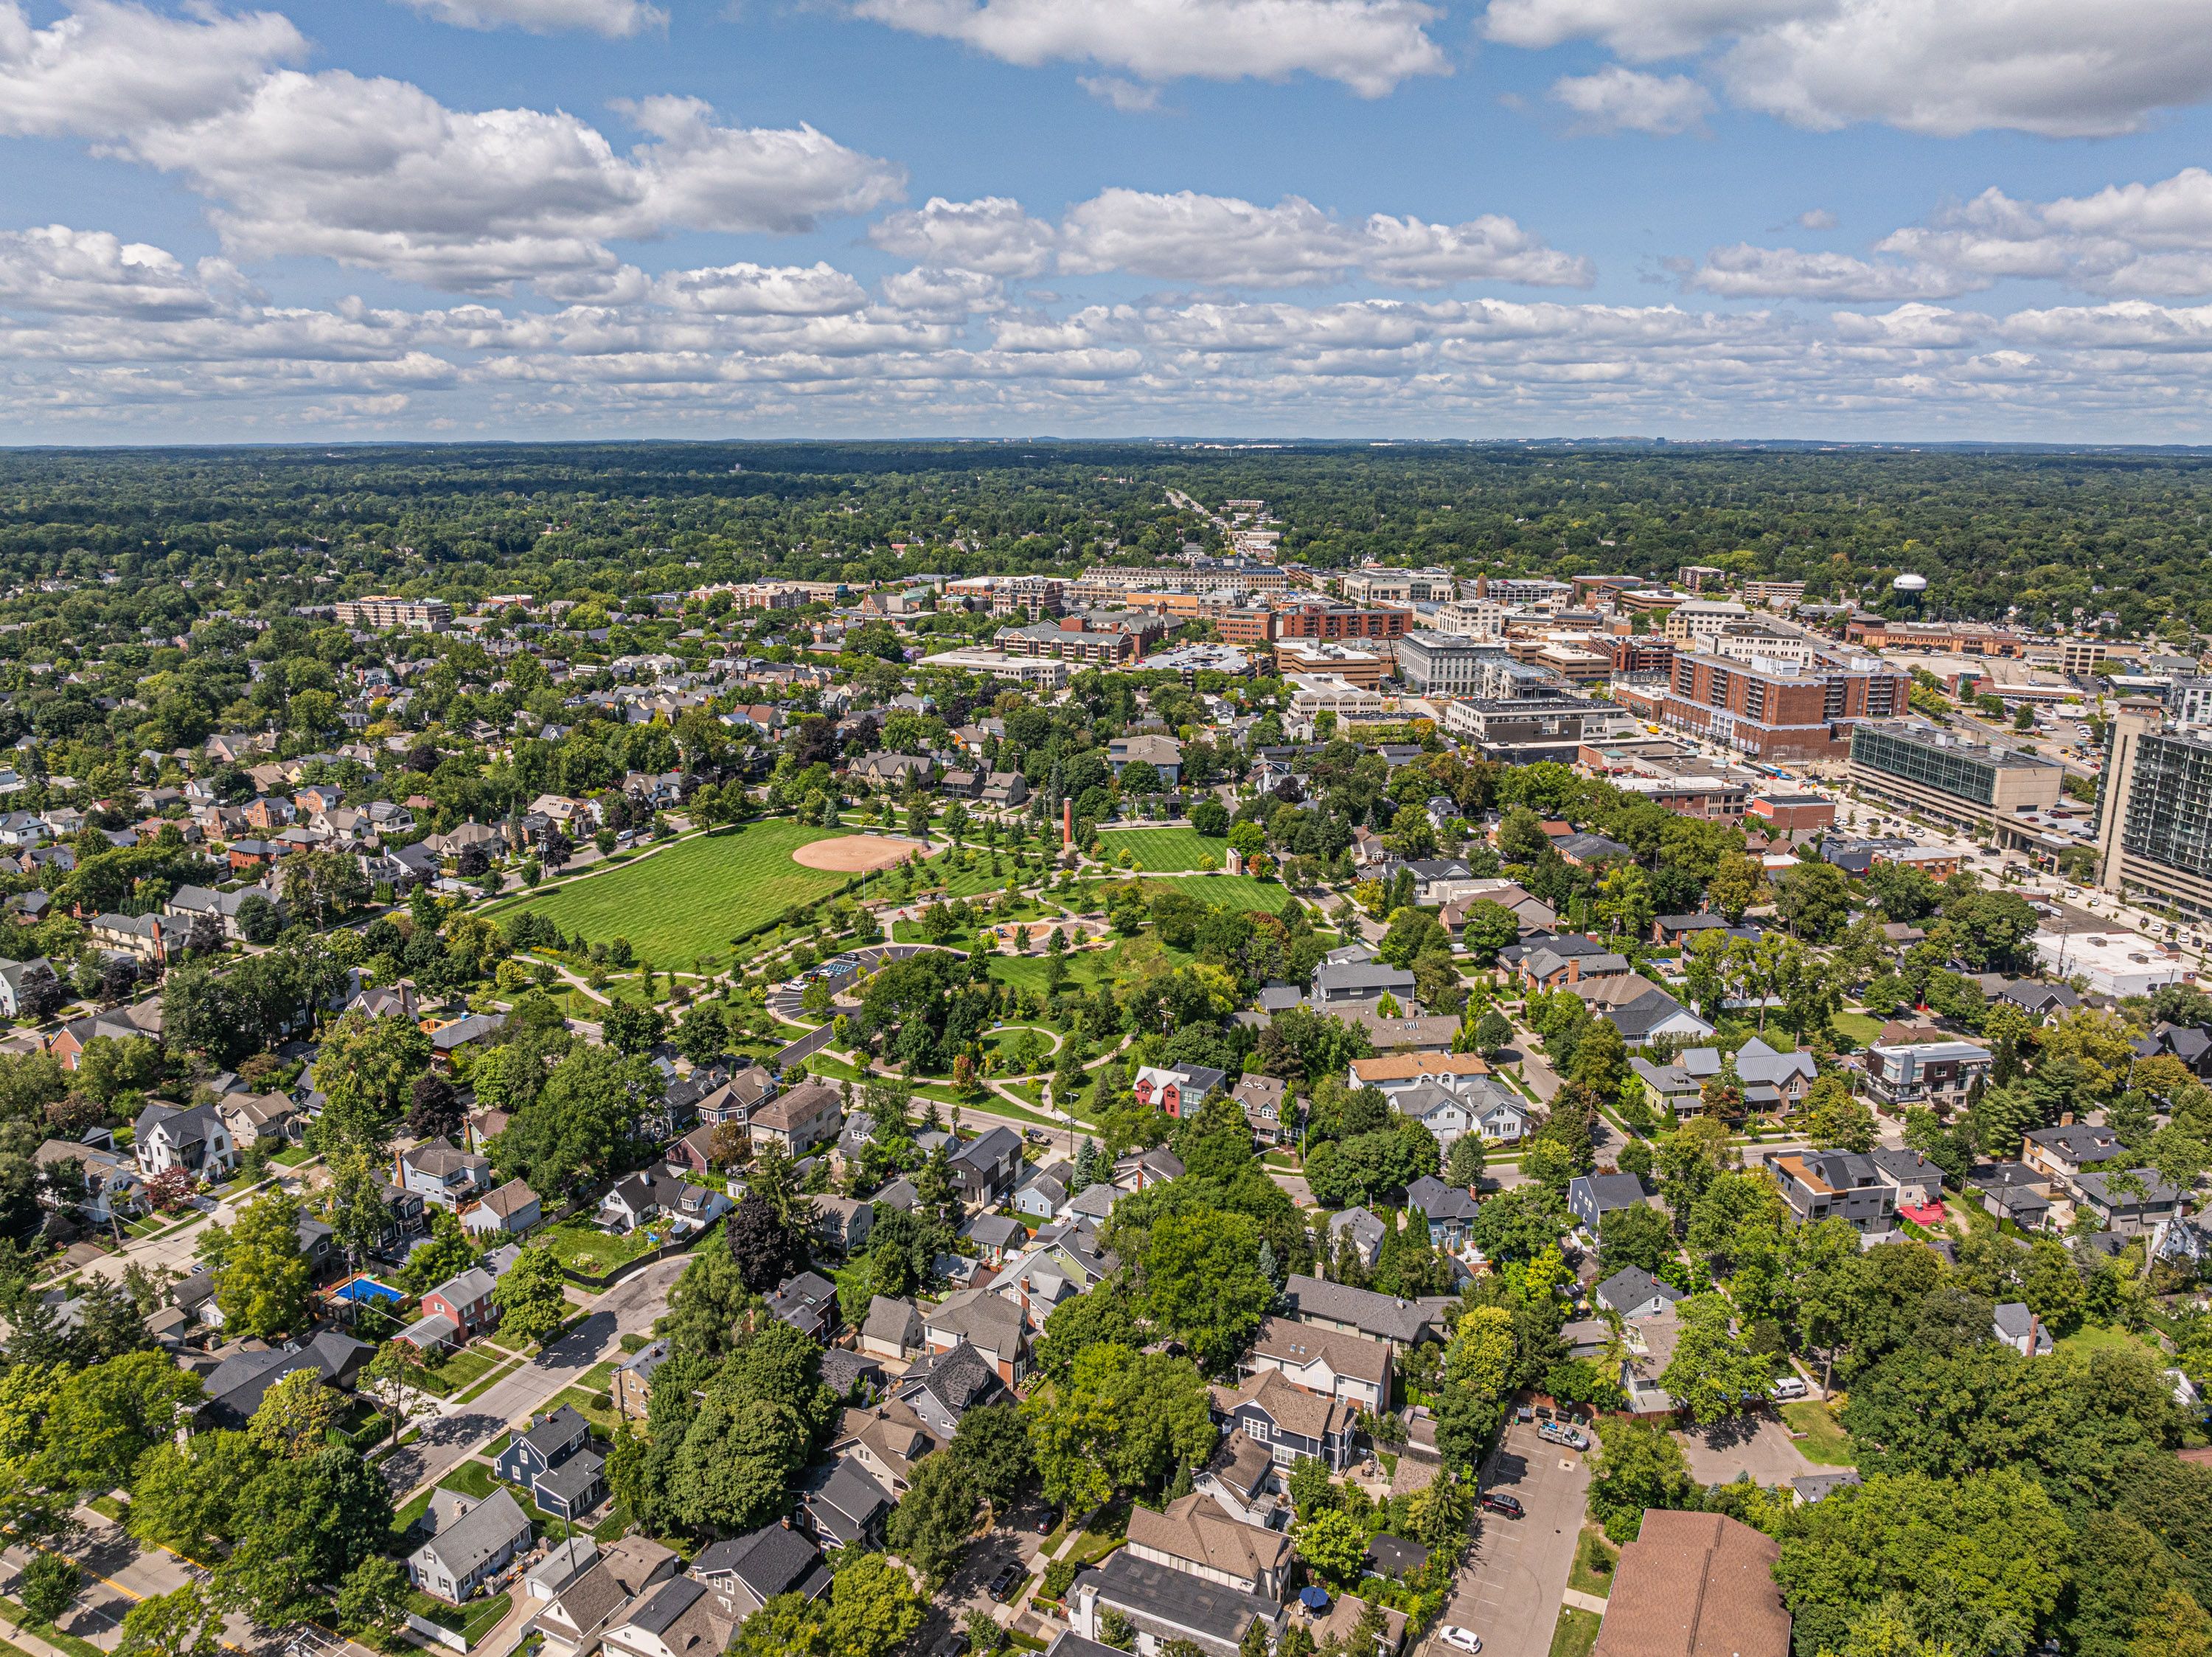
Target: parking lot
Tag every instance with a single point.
(1511, 1590)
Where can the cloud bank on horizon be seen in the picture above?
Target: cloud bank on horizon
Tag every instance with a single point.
(1840, 217)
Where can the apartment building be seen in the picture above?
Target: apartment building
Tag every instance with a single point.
(2154, 833)
(1440, 664)
(382, 610)
(1775, 709)
(1318, 618)
(1694, 621)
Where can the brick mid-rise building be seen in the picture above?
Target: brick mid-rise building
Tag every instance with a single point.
(1325, 621)
(1781, 711)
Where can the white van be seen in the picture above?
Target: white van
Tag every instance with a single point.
(1788, 1387)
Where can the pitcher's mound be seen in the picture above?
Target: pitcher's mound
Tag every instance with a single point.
(851, 854)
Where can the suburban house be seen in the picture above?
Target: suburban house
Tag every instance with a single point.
(192, 1137)
(681, 1619)
(463, 1301)
(1591, 1197)
(1398, 1325)
(464, 1035)
(552, 1458)
(744, 1573)
(992, 1324)
(1837, 1185)
(2070, 1150)
(843, 1223)
(631, 1385)
(893, 1329)
(584, 1607)
(442, 1176)
(808, 1302)
(1266, 1105)
(1636, 1294)
(1918, 1183)
(1195, 1536)
(2021, 1330)
(843, 1506)
(28, 988)
(1293, 1424)
(1395, 1074)
(1359, 1231)
(941, 1388)
(1178, 1089)
(660, 1193)
(796, 1122)
(1449, 1210)
(2129, 1202)
(112, 1188)
(270, 1119)
(2013, 1191)
(471, 1540)
(1324, 1362)
(508, 1210)
(984, 1168)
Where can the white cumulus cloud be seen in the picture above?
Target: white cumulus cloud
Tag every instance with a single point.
(1617, 100)
(108, 69)
(1222, 241)
(59, 270)
(1370, 46)
(993, 235)
(1746, 271)
(612, 18)
(2059, 68)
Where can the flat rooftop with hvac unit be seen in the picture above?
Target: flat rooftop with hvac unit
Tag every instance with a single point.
(1911, 763)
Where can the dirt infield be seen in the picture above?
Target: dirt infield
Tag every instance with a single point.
(852, 853)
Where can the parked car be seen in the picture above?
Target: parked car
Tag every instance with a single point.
(954, 1644)
(1009, 1578)
(1789, 1386)
(1460, 1639)
(1497, 1501)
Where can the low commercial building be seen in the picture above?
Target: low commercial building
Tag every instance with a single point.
(2115, 964)
(1914, 765)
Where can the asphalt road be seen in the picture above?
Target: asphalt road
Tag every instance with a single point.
(1511, 1588)
(445, 1440)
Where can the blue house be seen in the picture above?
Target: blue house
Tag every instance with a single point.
(554, 1461)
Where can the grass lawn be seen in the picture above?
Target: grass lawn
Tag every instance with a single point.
(589, 1250)
(1086, 970)
(2095, 1337)
(48, 1632)
(1241, 891)
(593, 1407)
(1169, 851)
(691, 898)
(1861, 1028)
(457, 1370)
(471, 1478)
(1575, 1634)
(471, 1622)
(1825, 1442)
(1594, 1562)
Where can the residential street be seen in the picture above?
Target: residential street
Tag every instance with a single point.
(446, 1439)
(1511, 1590)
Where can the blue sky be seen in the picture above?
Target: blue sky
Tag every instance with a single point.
(1894, 219)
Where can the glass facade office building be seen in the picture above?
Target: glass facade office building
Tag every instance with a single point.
(1968, 770)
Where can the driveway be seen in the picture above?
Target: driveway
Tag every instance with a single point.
(445, 1440)
(1511, 1590)
(1757, 1443)
(965, 1591)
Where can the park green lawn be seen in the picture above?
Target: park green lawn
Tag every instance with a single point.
(690, 899)
(1169, 851)
(1244, 892)
(1086, 968)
